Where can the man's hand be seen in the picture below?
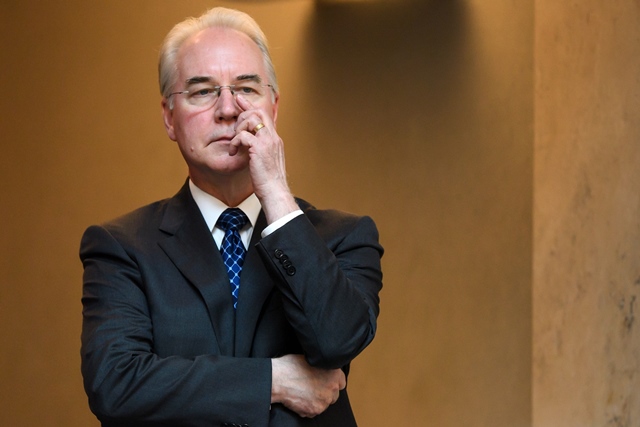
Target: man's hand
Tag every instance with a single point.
(306, 390)
(266, 159)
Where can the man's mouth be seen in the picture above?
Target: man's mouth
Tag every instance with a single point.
(224, 138)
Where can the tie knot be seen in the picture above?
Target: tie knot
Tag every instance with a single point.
(232, 219)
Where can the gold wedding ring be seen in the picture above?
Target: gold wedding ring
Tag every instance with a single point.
(258, 127)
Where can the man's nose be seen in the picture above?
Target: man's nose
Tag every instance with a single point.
(227, 107)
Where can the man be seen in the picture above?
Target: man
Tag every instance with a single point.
(171, 336)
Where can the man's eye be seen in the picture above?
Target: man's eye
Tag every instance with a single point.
(203, 92)
(246, 90)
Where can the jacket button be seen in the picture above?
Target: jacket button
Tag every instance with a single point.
(291, 271)
(279, 253)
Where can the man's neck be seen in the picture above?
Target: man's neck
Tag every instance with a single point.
(230, 190)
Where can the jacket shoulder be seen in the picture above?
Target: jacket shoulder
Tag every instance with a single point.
(139, 219)
(332, 220)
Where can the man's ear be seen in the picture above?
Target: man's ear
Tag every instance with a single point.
(167, 117)
(275, 108)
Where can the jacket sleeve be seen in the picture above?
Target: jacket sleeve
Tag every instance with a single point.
(126, 382)
(326, 265)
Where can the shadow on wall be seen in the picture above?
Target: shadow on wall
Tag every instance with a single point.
(385, 76)
(389, 57)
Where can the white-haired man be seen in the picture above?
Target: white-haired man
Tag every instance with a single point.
(171, 335)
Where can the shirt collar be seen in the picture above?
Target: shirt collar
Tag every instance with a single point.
(212, 208)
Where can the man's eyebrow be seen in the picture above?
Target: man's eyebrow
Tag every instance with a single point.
(197, 79)
(251, 77)
(206, 79)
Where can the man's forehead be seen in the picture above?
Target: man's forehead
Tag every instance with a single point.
(215, 50)
(220, 38)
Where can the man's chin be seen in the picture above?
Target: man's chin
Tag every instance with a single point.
(232, 164)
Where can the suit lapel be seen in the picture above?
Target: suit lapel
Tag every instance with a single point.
(191, 247)
(255, 287)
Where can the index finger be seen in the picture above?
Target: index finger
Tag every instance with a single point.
(244, 103)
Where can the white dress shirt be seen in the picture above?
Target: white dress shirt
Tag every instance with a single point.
(211, 209)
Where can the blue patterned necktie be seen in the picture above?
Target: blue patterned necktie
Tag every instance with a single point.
(232, 249)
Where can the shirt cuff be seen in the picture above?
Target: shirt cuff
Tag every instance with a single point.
(279, 223)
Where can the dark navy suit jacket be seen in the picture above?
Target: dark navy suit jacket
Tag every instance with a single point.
(162, 344)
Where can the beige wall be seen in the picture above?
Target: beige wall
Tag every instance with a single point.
(587, 214)
(420, 114)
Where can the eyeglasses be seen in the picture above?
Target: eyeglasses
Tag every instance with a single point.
(205, 95)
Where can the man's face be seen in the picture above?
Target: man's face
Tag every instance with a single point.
(215, 57)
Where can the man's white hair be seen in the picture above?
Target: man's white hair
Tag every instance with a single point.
(217, 17)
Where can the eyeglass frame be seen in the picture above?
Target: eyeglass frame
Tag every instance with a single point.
(218, 89)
